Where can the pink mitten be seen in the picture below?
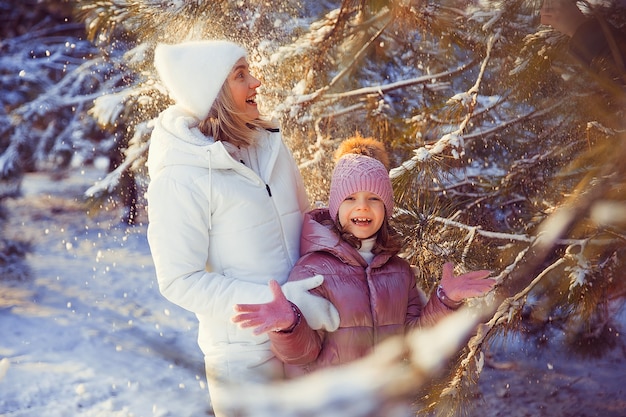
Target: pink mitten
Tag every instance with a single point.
(455, 290)
(279, 315)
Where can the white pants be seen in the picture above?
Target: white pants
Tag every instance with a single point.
(223, 379)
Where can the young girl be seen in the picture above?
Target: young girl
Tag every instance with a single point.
(225, 207)
(353, 246)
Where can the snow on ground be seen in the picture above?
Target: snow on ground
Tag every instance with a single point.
(89, 334)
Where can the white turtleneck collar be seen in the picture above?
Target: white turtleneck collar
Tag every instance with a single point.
(366, 249)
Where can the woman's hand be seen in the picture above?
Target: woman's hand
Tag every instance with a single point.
(278, 315)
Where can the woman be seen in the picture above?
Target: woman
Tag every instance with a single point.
(225, 207)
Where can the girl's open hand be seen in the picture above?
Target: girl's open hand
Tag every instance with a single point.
(277, 315)
(468, 285)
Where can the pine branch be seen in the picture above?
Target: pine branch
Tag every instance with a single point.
(454, 139)
(109, 183)
(506, 311)
(381, 384)
(521, 276)
(382, 89)
(518, 237)
(361, 52)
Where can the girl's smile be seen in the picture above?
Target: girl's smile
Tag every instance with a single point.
(362, 214)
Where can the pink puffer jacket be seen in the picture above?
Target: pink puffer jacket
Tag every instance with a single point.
(374, 302)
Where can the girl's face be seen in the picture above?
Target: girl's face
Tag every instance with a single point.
(362, 214)
(243, 90)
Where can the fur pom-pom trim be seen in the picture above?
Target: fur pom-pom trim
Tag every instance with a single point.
(363, 146)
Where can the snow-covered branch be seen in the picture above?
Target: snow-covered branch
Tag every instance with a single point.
(382, 89)
(453, 140)
(382, 384)
(517, 237)
(134, 153)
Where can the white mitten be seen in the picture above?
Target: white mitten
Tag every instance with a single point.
(318, 311)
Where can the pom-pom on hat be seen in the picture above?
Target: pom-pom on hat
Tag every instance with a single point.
(193, 72)
(363, 146)
(359, 168)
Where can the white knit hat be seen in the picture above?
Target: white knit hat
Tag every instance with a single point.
(194, 72)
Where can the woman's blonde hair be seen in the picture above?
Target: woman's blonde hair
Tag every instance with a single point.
(224, 122)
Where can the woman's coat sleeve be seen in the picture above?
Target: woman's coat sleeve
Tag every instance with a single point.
(178, 238)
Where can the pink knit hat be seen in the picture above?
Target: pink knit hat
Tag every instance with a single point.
(354, 173)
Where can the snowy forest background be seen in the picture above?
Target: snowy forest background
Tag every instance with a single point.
(508, 155)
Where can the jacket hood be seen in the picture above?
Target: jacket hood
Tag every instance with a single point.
(319, 237)
(176, 140)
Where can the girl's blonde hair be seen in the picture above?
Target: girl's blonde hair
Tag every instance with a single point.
(224, 122)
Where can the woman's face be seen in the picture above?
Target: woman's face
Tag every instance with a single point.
(243, 90)
(362, 214)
